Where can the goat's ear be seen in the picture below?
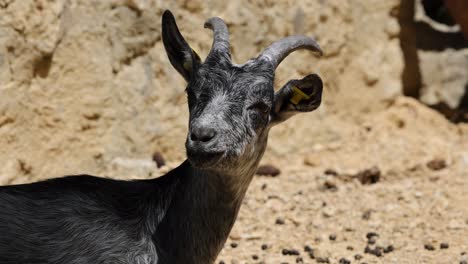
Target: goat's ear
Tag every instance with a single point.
(296, 96)
(182, 57)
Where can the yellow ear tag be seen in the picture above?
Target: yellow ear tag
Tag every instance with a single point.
(188, 65)
(298, 96)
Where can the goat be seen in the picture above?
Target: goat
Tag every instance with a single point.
(186, 215)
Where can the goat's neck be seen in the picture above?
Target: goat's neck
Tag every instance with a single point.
(202, 212)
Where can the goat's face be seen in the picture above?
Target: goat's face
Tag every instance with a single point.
(232, 107)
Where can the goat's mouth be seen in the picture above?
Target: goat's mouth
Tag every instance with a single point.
(204, 159)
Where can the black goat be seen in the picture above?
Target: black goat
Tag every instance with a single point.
(186, 215)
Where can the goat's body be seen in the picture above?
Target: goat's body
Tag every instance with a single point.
(82, 219)
(182, 217)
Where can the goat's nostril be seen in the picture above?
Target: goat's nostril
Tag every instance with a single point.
(202, 134)
(207, 135)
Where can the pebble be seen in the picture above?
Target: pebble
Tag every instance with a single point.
(376, 251)
(299, 260)
(436, 164)
(444, 245)
(290, 252)
(357, 257)
(330, 172)
(264, 247)
(344, 261)
(371, 234)
(372, 240)
(308, 248)
(234, 244)
(388, 249)
(367, 215)
(268, 170)
(429, 247)
(254, 257)
(279, 221)
(332, 237)
(371, 237)
(369, 176)
(159, 159)
(330, 184)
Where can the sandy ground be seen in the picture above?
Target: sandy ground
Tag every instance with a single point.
(406, 203)
(420, 209)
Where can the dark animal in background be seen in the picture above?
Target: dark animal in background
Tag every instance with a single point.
(186, 215)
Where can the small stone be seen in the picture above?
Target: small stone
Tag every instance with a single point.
(332, 237)
(436, 164)
(159, 159)
(268, 170)
(331, 172)
(264, 247)
(299, 260)
(369, 176)
(330, 184)
(308, 248)
(444, 245)
(376, 251)
(366, 215)
(370, 235)
(350, 248)
(221, 262)
(357, 257)
(291, 252)
(234, 244)
(279, 221)
(372, 240)
(344, 261)
(388, 249)
(254, 257)
(429, 247)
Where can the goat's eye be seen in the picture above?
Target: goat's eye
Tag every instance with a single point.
(260, 107)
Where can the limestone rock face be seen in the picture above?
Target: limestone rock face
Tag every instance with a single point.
(86, 87)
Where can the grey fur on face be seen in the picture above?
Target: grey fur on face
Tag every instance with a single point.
(232, 107)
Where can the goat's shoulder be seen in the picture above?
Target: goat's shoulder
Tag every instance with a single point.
(105, 218)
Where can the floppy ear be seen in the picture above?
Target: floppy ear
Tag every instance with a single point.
(296, 96)
(182, 57)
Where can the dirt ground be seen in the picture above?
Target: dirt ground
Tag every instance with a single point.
(395, 186)
(390, 187)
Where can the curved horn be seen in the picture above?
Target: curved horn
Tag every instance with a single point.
(220, 36)
(276, 52)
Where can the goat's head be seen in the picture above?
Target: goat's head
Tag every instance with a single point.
(232, 107)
